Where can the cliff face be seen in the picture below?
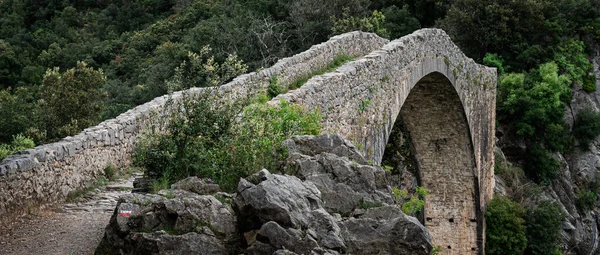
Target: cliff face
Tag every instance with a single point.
(580, 229)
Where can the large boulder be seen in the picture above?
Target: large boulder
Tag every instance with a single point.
(282, 212)
(338, 171)
(164, 224)
(283, 199)
(385, 230)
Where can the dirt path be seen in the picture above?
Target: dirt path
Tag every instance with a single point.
(72, 228)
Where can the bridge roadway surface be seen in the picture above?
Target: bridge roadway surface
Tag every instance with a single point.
(67, 229)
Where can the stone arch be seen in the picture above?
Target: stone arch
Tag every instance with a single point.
(434, 117)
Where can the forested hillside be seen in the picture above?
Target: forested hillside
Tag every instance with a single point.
(67, 65)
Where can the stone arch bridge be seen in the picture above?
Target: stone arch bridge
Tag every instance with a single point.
(446, 101)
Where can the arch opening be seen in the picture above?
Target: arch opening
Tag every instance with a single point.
(435, 145)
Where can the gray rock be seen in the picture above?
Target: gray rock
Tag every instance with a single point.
(280, 198)
(196, 185)
(343, 181)
(402, 235)
(324, 228)
(388, 212)
(180, 222)
(313, 145)
(161, 243)
(285, 238)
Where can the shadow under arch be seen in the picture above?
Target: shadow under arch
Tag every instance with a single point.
(444, 159)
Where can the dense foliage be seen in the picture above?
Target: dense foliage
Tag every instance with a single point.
(544, 224)
(586, 126)
(505, 233)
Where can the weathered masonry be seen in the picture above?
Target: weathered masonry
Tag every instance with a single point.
(447, 102)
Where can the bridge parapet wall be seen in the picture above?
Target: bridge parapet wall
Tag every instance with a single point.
(47, 173)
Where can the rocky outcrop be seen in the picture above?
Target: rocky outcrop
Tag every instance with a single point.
(581, 233)
(283, 213)
(274, 213)
(339, 171)
(175, 221)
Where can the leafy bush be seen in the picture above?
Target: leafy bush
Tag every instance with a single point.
(533, 106)
(347, 23)
(543, 226)
(186, 144)
(492, 59)
(586, 200)
(586, 127)
(411, 204)
(274, 88)
(19, 143)
(399, 22)
(110, 172)
(203, 137)
(201, 70)
(571, 58)
(255, 141)
(5, 150)
(415, 203)
(540, 166)
(17, 106)
(505, 232)
(72, 100)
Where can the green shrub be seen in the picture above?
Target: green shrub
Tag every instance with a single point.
(540, 166)
(19, 143)
(589, 83)
(255, 141)
(586, 200)
(543, 226)
(5, 150)
(160, 184)
(274, 88)
(205, 138)
(572, 59)
(72, 100)
(415, 203)
(193, 129)
(505, 232)
(586, 127)
(374, 23)
(110, 171)
(533, 106)
(493, 60)
(399, 22)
